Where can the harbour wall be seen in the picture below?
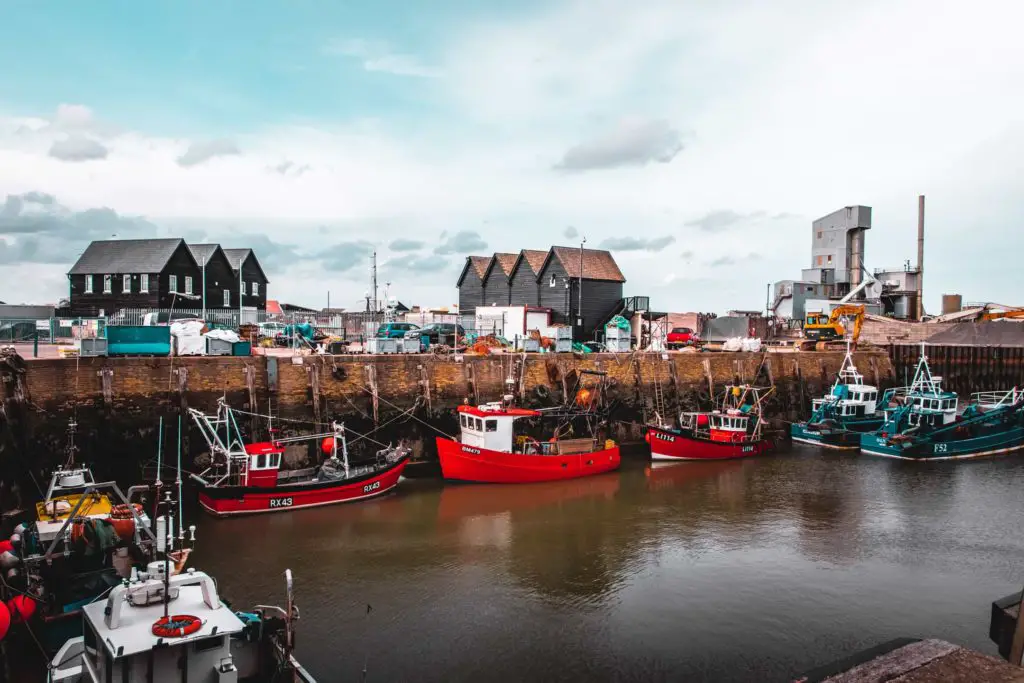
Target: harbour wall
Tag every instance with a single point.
(964, 369)
(117, 402)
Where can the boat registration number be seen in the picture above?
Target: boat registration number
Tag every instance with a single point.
(281, 502)
(474, 451)
(664, 437)
(371, 487)
(941, 448)
(748, 449)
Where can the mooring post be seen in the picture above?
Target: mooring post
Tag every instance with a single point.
(1017, 647)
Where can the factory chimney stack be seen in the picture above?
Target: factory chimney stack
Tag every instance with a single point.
(920, 257)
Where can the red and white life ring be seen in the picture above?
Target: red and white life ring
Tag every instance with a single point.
(176, 626)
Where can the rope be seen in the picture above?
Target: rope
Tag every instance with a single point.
(426, 424)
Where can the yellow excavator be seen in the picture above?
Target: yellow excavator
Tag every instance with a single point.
(998, 315)
(821, 328)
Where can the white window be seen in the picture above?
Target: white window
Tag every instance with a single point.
(106, 284)
(126, 283)
(172, 283)
(144, 283)
(88, 284)
(241, 288)
(551, 282)
(255, 289)
(227, 297)
(188, 284)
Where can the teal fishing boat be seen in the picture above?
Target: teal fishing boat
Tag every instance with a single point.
(922, 422)
(839, 418)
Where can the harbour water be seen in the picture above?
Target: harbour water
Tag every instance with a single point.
(733, 571)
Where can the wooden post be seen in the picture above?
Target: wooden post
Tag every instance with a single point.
(1017, 646)
(711, 381)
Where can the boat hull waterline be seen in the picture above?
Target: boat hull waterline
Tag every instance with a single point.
(671, 446)
(978, 447)
(480, 465)
(844, 438)
(244, 500)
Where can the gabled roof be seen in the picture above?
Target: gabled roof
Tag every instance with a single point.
(479, 265)
(238, 256)
(273, 307)
(126, 256)
(503, 261)
(598, 264)
(203, 252)
(533, 258)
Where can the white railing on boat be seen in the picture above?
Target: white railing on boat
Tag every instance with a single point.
(997, 399)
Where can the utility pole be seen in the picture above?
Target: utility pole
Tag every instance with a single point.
(579, 312)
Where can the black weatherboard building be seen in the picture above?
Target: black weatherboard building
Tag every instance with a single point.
(252, 282)
(114, 274)
(549, 279)
(154, 274)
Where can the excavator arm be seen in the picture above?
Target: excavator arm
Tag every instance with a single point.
(855, 311)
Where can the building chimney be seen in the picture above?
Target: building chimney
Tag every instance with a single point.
(920, 257)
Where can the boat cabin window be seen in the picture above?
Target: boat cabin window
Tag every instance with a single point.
(492, 425)
(479, 424)
(464, 420)
(265, 461)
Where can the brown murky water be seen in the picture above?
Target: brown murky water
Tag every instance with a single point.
(733, 571)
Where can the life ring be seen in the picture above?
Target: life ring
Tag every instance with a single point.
(176, 626)
(542, 391)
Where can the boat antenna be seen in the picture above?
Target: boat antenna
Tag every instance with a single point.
(181, 511)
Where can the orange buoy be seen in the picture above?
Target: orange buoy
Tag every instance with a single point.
(20, 608)
(327, 445)
(583, 397)
(5, 620)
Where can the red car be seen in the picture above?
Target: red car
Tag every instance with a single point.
(682, 336)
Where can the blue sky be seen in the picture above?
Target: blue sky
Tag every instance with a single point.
(701, 138)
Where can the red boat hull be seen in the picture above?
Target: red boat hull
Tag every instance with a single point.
(469, 463)
(223, 501)
(671, 445)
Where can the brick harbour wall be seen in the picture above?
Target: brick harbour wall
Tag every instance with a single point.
(117, 402)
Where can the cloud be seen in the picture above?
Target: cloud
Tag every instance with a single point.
(418, 264)
(731, 260)
(637, 243)
(462, 242)
(73, 116)
(404, 244)
(78, 148)
(636, 144)
(38, 213)
(381, 58)
(345, 256)
(199, 152)
(571, 233)
(289, 168)
(724, 219)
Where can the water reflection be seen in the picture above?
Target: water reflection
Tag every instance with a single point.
(734, 570)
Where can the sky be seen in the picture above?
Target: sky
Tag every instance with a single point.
(695, 140)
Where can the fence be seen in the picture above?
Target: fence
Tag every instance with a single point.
(49, 330)
(229, 317)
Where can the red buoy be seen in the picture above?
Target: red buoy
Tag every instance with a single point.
(6, 545)
(702, 420)
(5, 620)
(327, 445)
(20, 608)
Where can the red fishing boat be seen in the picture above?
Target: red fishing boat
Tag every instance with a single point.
(490, 451)
(246, 478)
(733, 431)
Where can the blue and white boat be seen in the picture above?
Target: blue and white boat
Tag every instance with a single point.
(922, 422)
(839, 418)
